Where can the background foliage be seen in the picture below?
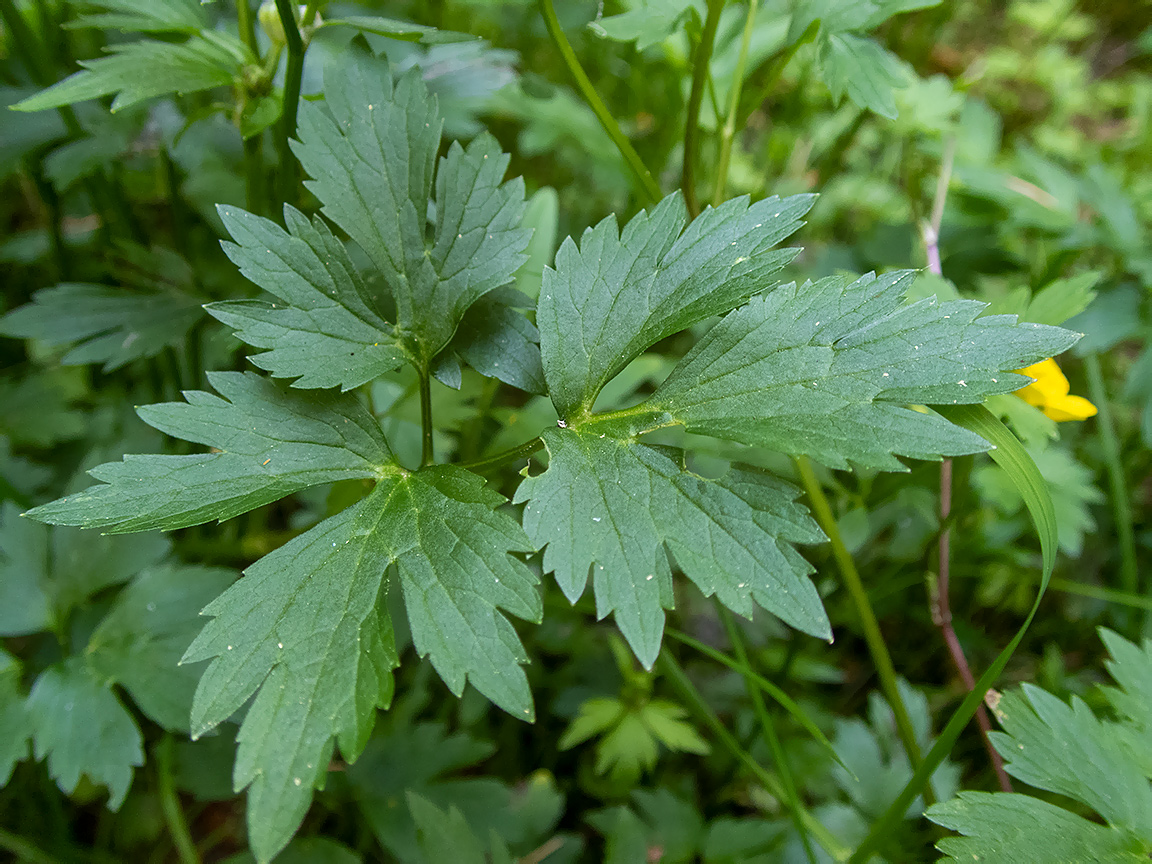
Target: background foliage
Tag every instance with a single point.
(1006, 145)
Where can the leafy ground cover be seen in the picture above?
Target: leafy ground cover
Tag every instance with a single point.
(651, 430)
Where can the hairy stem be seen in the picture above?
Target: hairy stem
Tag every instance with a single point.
(648, 187)
(728, 132)
(677, 677)
(881, 659)
(695, 97)
(767, 727)
(1118, 487)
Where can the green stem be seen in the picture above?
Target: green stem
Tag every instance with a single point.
(254, 175)
(292, 76)
(512, 454)
(170, 804)
(648, 187)
(872, 635)
(26, 44)
(695, 97)
(775, 72)
(246, 22)
(24, 850)
(676, 676)
(767, 726)
(728, 132)
(1110, 444)
(426, 454)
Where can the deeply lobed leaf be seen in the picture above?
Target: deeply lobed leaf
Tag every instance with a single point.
(139, 71)
(372, 162)
(307, 631)
(332, 332)
(114, 326)
(618, 293)
(616, 507)
(266, 444)
(825, 370)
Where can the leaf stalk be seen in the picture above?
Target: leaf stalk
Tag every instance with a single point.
(679, 679)
(877, 647)
(648, 187)
(767, 727)
(728, 132)
(1110, 445)
(695, 98)
(426, 427)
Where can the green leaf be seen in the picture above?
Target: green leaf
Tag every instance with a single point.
(142, 638)
(372, 162)
(1024, 830)
(414, 759)
(542, 216)
(332, 332)
(500, 342)
(114, 326)
(873, 766)
(139, 71)
(1065, 749)
(44, 574)
(306, 627)
(619, 293)
(1058, 301)
(82, 729)
(15, 723)
(650, 22)
(1011, 456)
(867, 72)
(405, 31)
(1071, 487)
(451, 549)
(156, 16)
(41, 409)
(443, 836)
(266, 443)
(616, 507)
(25, 606)
(826, 370)
(306, 850)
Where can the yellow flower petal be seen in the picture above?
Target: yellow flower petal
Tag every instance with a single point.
(1070, 408)
(1049, 392)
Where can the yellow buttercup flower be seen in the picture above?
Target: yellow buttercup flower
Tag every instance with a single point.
(1049, 393)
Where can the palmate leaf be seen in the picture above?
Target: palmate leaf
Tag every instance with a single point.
(373, 163)
(267, 444)
(306, 628)
(615, 506)
(331, 332)
(1065, 749)
(825, 370)
(618, 293)
(139, 71)
(113, 326)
